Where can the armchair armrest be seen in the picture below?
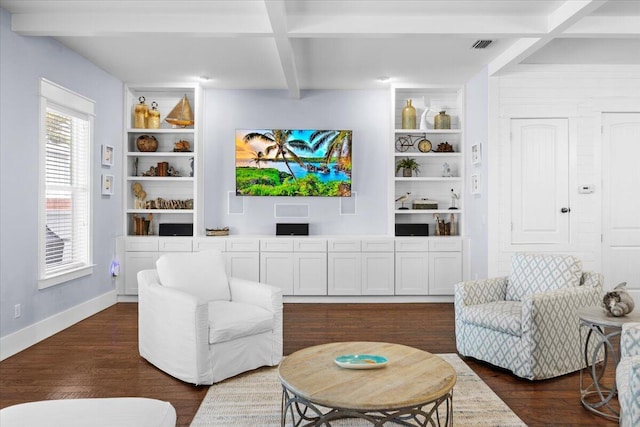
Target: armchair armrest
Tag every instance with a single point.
(173, 328)
(474, 292)
(255, 293)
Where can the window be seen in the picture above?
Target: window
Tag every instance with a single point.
(65, 223)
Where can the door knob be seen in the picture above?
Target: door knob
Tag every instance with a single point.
(565, 210)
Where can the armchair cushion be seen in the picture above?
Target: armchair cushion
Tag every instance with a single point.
(533, 273)
(503, 316)
(232, 320)
(198, 273)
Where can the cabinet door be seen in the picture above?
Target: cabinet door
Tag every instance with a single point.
(412, 273)
(243, 265)
(377, 273)
(277, 269)
(345, 273)
(134, 262)
(310, 273)
(445, 270)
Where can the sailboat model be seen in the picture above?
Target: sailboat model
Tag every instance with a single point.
(182, 114)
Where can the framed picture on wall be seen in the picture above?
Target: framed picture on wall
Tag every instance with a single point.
(476, 153)
(475, 183)
(107, 185)
(107, 155)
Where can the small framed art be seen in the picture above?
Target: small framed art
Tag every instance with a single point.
(107, 155)
(107, 185)
(476, 153)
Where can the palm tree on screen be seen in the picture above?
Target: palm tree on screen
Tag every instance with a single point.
(338, 144)
(280, 142)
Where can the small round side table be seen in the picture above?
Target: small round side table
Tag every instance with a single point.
(598, 343)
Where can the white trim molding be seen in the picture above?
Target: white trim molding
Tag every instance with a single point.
(33, 334)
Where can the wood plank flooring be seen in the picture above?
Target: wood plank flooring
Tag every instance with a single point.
(98, 357)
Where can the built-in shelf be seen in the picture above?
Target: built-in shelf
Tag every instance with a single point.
(427, 211)
(160, 154)
(430, 131)
(430, 154)
(430, 179)
(158, 131)
(158, 211)
(161, 178)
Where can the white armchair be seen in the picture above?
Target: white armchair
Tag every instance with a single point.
(628, 375)
(527, 322)
(202, 327)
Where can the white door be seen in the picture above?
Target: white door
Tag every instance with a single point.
(133, 263)
(243, 265)
(412, 273)
(621, 200)
(539, 181)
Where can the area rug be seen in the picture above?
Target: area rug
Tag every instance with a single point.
(254, 398)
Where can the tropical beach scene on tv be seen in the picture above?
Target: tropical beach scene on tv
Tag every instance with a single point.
(281, 162)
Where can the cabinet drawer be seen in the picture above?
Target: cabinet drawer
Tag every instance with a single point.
(243, 245)
(343, 245)
(412, 244)
(141, 244)
(377, 245)
(276, 245)
(174, 244)
(208, 244)
(309, 245)
(445, 245)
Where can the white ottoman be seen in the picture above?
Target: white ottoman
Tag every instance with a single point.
(113, 412)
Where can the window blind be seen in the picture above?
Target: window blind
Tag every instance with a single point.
(67, 192)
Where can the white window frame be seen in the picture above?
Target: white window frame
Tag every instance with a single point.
(57, 97)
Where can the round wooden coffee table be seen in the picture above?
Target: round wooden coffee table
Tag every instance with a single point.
(409, 390)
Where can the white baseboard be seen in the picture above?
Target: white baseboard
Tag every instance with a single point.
(33, 334)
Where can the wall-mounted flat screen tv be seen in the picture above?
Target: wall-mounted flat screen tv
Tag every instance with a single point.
(282, 162)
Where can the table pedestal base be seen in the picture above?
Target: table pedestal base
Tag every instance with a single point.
(305, 413)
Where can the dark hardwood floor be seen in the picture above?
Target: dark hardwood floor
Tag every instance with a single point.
(98, 357)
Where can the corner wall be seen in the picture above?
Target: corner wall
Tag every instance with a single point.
(23, 62)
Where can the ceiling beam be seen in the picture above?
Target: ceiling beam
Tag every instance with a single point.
(278, 18)
(569, 13)
(605, 27)
(123, 24)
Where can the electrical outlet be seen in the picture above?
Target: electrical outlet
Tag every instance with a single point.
(17, 309)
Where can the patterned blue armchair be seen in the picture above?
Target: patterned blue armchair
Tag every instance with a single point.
(628, 375)
(527, 322)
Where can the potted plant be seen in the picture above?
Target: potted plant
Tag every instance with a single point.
(408, 166)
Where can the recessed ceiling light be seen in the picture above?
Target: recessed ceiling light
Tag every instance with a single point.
(383, 79)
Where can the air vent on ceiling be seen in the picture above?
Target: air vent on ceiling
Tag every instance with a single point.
(481, 44)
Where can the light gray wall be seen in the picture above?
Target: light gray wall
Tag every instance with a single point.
(364, 112)
(23, 61)
(475, 205)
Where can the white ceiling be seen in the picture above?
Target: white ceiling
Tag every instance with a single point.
(331, 44)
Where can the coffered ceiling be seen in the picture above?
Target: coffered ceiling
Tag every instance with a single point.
(331, 44)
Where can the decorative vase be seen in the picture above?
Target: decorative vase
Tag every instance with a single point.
(153, 121)
(408, 116)
(407, 173)
(141, 114)
(442, 121)
(147, 143)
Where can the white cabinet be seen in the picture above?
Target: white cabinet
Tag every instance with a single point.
(412, 273)
(444, 272)
(361, 267)
(276, 269)
(439, 156)
(310, 273)
(345, 273)
(133, 263)
(298, 266)
(165, 178)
